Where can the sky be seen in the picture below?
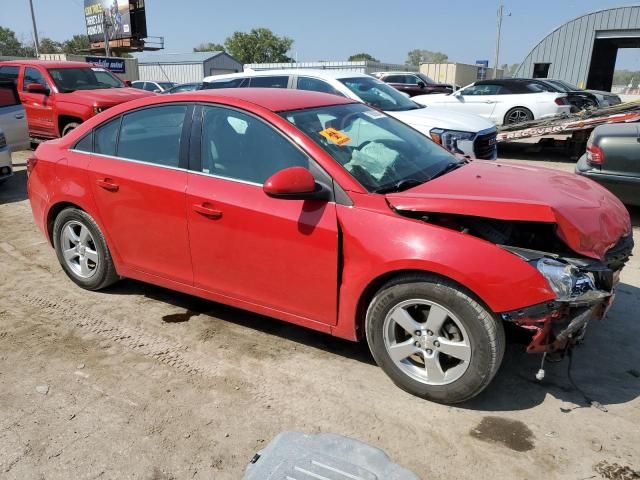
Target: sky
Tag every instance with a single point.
(465, 30)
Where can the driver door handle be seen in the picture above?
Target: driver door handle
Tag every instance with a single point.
(206, 210)
(108, 184)
(490, 101)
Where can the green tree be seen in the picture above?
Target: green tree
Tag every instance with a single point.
(209, 47)
(9, 43)
(417, 56)
(76, 44)
(49, 46)
(626, 77)
(359, 57)
(260, 45)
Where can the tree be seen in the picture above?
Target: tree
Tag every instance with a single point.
(260, 45)
(76, 44)
(359, 57)
(49, 46)
(9, 43)
(417, 56)
(209, 47)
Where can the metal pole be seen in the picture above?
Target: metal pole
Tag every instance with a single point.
(495, 63)
(35, 29)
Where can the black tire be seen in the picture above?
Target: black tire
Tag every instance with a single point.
(484, 332)
(523, 114)
(104, 273)
(68, 127)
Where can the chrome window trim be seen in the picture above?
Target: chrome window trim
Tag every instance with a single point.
(141, 162)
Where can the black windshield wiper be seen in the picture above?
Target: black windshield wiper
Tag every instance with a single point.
(399, 186)
(448, 168)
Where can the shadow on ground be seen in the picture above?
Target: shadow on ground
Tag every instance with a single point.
(604, 368)
(14, 189)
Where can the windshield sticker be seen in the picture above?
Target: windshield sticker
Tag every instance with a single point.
(374, 114)
(335, 136)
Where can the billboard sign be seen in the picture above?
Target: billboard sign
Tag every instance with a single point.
(112, 15)
(116, 65)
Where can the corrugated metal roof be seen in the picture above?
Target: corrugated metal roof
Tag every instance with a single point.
(191, 57)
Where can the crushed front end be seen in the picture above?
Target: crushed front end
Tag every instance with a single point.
(585, 289)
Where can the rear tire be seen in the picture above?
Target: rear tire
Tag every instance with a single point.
(458, 350)
(82, 250)
(518, 115)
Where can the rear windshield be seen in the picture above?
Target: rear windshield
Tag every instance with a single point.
(83, 78)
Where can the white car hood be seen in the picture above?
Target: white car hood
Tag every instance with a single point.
(424, 119)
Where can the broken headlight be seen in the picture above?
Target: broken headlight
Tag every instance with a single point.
(564, 279)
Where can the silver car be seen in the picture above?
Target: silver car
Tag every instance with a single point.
(14, 133)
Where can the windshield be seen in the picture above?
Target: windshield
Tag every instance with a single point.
(378, 94)
(83, 78)
(380, 152)
(166, 85)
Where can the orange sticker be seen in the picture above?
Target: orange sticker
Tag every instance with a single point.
(335, 136)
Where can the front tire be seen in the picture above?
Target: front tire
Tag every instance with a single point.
(68, 127)
(433, 339)
(82, 250)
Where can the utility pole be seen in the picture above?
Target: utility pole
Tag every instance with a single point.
(498, 33)
(35, 29)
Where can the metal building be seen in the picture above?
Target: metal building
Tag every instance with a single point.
(185, 67)
(583, 51)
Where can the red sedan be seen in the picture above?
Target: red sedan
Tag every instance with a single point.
(332, 215)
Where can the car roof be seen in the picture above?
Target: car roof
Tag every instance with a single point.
(49, 63)
(315, 72)
(395, 72)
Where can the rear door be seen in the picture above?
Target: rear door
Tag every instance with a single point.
(13, 120)
(39, 106)
(138, 177)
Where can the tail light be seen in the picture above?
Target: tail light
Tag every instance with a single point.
(595, 155)
(562, 101)
(31, 164)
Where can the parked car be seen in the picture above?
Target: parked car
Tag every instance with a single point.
(457, 132)
(605, 99)
(155, 87)
(321, 211)
(579, 99)
(612, 160)
(59, 96)
(413, 83)
(188, 87)
(504, 102)
(14, 134)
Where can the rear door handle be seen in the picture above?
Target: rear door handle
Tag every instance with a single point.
(19, 116)
(205, 209)
(108, 184)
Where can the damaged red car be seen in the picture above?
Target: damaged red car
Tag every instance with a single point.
(326, 213)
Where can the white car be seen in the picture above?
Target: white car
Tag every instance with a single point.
(150, 86)
(456, 131)
(14, 133)
(503, 101)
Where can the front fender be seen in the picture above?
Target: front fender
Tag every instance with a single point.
(376, 244)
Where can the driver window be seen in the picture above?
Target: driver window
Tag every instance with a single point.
(32, 75)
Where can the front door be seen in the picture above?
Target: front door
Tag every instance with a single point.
(280, 254)
(39, 106)
(139, 183)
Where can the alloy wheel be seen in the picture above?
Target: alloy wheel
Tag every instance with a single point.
(79, 249)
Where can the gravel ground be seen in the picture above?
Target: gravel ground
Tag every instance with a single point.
(142, 382)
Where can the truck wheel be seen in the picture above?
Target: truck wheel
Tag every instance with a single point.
(518, 115)
(82, 250)
(433, 339)
(68, 127)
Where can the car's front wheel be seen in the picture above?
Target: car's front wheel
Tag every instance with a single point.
(433, 339)
(82, 250)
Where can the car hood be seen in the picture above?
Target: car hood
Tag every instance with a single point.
(106, 96)
(434, 117)
(589, 219)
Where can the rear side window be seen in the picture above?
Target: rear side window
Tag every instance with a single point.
(269, 82)
(8, 96)
(153, 135)
(9, 73)
(138, 85)
(106, 137)
(315, 85)
(85, 144)
(151, 87)
(32, 75)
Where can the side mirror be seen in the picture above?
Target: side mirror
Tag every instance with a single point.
(421, 84)
(295, 183)
(37, 88)
(128, 83)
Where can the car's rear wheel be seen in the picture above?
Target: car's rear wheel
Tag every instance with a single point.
(518, 115)
(82, 250)
(433, 339)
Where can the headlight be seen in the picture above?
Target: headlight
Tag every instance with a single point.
(449, 138)
(564, 279)
(99, 109)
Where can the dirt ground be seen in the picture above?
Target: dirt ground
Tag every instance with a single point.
(142, 382)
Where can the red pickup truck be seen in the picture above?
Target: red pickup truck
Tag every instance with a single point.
(59, 96)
